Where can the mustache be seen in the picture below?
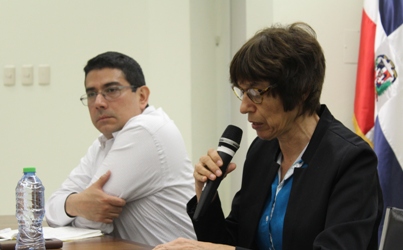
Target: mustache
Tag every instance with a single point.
(101, 115)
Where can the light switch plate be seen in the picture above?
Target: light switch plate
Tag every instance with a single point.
(27, 74)
(9, 75)
(44, 74)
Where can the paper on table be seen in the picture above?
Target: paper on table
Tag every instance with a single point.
(69, 233)
(61, 233)
(6, 234)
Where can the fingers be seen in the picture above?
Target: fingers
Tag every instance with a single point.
(116, 201)
(111, 207)
(94, 204)
(103, 179)
(208, 166)
(231, 167)
(104, 213)
(108, 217)
(112, 200)
(215, 157)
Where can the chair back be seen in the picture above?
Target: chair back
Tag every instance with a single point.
(392, 232)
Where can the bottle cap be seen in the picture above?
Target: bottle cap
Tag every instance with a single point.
(30, 170)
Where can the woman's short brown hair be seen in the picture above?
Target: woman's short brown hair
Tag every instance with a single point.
(288, 57)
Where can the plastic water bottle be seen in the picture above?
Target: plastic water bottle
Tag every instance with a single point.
(30, 209)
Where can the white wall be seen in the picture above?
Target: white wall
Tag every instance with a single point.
(184, 48)
(337, 24)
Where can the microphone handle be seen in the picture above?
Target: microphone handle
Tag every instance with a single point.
(211, 188)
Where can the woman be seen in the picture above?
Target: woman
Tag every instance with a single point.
(308, 181)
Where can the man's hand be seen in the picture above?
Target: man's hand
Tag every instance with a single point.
(94, 204)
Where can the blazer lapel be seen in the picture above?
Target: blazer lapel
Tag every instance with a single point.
(260, 170)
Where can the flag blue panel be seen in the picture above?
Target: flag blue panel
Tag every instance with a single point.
(391, 12)
(390, 172)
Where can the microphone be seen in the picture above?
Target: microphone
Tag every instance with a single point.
(227, 146)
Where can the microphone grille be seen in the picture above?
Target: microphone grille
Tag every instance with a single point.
(234, 133)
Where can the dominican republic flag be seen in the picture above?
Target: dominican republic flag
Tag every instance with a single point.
(378, 106)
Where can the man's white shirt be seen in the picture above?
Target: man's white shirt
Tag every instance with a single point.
(150, 170)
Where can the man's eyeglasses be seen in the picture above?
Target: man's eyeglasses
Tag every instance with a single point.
(109, 93)
(256, 95)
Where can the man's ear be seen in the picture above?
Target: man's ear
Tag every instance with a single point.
(144, 93)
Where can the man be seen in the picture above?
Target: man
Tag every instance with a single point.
(136, 177)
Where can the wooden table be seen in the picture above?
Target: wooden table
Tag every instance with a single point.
(100, 243)
(103, 243)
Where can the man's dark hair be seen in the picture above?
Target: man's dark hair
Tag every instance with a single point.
(288, 57)
(115, 60)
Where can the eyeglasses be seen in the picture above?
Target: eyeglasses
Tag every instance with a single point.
(109, 93)
(256, 95)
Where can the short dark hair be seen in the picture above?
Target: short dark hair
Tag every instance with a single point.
(115, 60)
(288, 57)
